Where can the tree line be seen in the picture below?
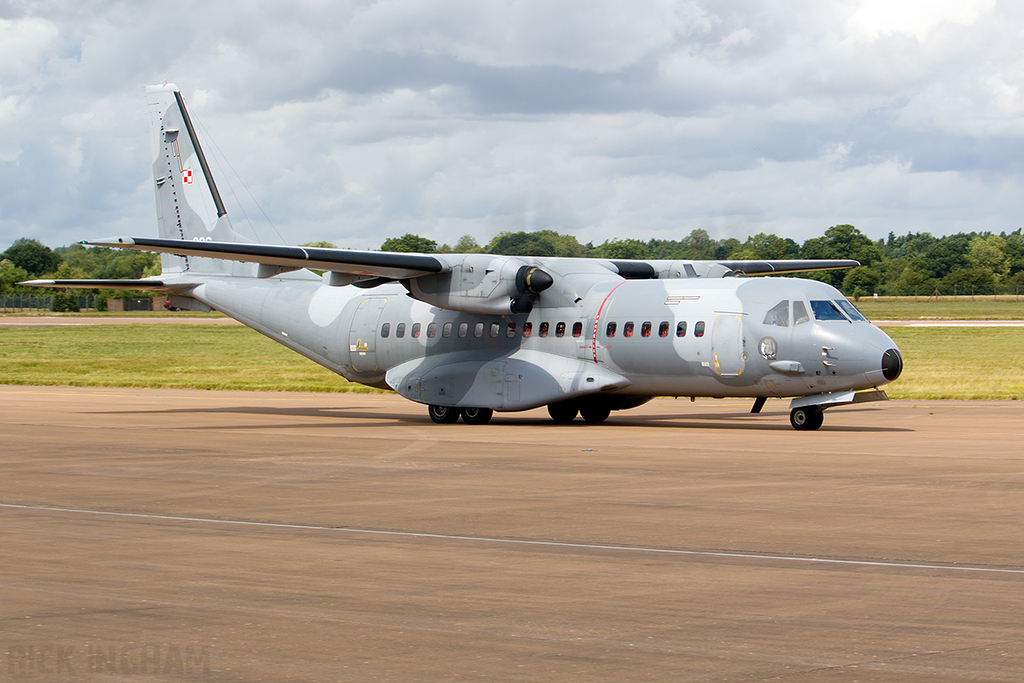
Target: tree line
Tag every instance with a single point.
(916, 263)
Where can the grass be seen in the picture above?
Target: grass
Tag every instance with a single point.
(959, 363)
(92, 313)
(1005, 307)
(940, 363)
(159, 356)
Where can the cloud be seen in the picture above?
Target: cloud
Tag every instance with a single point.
(357, 120)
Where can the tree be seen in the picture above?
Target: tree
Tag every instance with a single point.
(699, 245)
(911, 281)
(763, 246)
(32, 255)
(538, 243)
(841, 242)
(989, 254)
(466, 245)
(320, 244)
(410, 243)
(103, 263)
(622, 249)
(10, 276)
(970, 281)
(947, 254)
(862, 277)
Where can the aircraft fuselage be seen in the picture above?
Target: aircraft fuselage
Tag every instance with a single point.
(760, 337)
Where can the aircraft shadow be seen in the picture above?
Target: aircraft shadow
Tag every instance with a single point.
(723, 421)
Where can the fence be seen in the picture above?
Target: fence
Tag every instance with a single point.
(30, 302)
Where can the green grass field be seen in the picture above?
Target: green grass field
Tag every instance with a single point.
(159, 356)
(940, 363)
(943, 308)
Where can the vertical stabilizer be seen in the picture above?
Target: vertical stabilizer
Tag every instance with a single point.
(188, 204)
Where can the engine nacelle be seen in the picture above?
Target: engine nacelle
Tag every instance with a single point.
(483, 283)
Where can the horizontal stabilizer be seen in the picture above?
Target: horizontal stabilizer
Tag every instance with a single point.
(145, 285)
(384, 264)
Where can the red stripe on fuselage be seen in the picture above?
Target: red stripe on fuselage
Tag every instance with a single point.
(597, 319)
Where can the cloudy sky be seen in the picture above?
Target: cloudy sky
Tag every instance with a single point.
(353, 121)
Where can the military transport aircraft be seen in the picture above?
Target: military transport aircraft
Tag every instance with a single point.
(468, 334)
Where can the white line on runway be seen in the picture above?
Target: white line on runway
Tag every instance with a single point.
(513, 541)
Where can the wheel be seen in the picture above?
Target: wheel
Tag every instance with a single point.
(563, 412)
(476, 416)
(806, 419)
(595, 413)
(443, 414)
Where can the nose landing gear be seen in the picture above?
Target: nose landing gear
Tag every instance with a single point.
(807, 418)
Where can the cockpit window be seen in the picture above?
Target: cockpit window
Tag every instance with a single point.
(800, 313)
(778, 315)
(826, 310)
(851, 310)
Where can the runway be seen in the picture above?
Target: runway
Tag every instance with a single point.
(171, 535)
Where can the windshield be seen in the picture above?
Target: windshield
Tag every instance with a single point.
(826, 310)
(851, 310)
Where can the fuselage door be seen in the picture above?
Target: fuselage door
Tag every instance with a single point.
(727, 344)
(363, 335)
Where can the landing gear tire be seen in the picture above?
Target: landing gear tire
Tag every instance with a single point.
(595, 413)
(806, 419)
(443, 414)
(476, 416)
(563, 412)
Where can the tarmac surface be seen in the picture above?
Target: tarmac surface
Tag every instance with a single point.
(230, 536)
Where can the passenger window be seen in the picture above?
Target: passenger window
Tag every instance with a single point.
(800, 313)
(609, 331)
(400, 330)
(698, 329)
(543, 329)
(663, 329)
(432, 330)
(778, 314)
(446, 331)
(681, 328)
(385, 330)
(645, 329)
(527, 329)
(495, 328)
(510, 331)
(826, 310)
(560, 330)
(627, 329)
(463, 330)
(478, 330)
(416, 327)
(577, 329)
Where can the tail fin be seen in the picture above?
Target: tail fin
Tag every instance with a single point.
(188, 204)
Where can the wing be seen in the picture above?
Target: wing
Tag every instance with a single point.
(362, 264)
(683, 268)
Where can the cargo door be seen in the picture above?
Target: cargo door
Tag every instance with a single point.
(727, 344)
(363, 335)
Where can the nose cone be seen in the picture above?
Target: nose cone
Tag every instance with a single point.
(892, 364)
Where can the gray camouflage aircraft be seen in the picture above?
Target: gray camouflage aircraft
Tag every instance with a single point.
(469, 334)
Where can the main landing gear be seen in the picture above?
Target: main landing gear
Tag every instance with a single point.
(448, 415)
(808, 418)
